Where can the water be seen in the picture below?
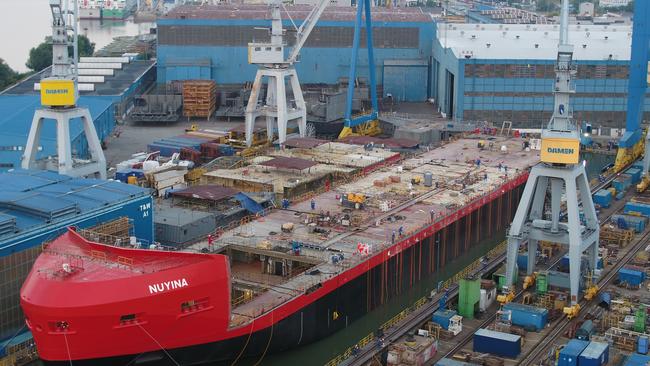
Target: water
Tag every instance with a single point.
(25, 23)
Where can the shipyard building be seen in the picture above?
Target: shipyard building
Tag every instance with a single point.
(106, 88)
(38, 206)
(497, 72)
(211, 42)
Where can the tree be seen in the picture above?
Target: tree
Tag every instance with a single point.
(40, 56)
(7, 75)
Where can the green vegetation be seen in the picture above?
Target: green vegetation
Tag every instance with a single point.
(7, 75)
(40, 56)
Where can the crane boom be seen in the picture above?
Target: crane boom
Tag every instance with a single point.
(305, 29)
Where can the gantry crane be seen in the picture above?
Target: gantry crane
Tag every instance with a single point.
(59, 95)
(272, 65)
(366, 124)
(631, 145)
(560, 172)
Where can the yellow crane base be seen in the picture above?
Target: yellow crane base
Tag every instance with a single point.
(370, 128)
(571, 311)
(505, 298)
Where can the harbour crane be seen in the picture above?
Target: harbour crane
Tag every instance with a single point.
(59, 95)
(366, 124)
(632, 144)
(272, 65)
(560, 172)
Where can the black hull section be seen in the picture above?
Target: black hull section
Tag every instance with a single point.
(328, 129)
(351, 301)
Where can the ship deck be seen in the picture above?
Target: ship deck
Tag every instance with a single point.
(389, 206)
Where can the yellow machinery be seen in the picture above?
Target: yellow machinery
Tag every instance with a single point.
(572, 311)
(370, 128)
(591, 289)
(505, 298)
(353, 200)
(416, 180)
(530, 280)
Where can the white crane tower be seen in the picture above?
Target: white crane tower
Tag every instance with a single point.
(59, 94)
(561, 171)
(273, 66)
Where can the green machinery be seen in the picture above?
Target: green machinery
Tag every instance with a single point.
(469, 295)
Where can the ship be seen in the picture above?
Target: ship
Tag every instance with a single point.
(117, 9)
(263, 290)
(90, 9)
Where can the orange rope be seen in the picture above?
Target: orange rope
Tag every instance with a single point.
(268, 343)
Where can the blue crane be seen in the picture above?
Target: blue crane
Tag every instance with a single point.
(631, 145)
(366, 124)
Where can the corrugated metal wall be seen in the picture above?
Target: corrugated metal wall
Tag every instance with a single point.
(324, 60)
(406, 81)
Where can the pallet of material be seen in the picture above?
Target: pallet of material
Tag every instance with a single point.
(199, 98)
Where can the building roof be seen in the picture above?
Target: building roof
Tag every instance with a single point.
(16, 113)
(36, 198)
(303, 142)
(242, 11)
(208, 192)
(500, 335)
(177, 216)
(535, 42)
(289, 163)
(115, 85)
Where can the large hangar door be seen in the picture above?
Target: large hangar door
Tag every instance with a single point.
(406, 80)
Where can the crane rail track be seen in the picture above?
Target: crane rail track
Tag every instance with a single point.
(466, 339)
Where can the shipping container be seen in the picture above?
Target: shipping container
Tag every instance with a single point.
(622, 183)
(638, 223)
(585, 331)
(636, 359)
(526, 316)
(178, 227)
(497, 343)
(442, 317)
(637, 207)
(642, 345)
(595, 354)
(635, 173)
(488, 295)
(452, 362)
(631, 277)
(603, 198)
(571, 352)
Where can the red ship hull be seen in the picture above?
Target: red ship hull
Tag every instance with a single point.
(110, 311)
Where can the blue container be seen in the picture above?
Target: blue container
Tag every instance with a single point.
(595, 354)
(442, 317)
(638, 223)
(522, 261)
(570, 353)
(620, 195)
(637, 207)
(642, 345)
(635, 173)
(123, 175)
(226, 150)
(636, 359)
(585, 331)
(165, 150)
(529, 317)
(631, 277)
(452, 362)
(497, 343)
(603, 198)
(564, 264)
(605, 299)
(622, 183)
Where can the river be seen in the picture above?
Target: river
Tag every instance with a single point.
(25, 23)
